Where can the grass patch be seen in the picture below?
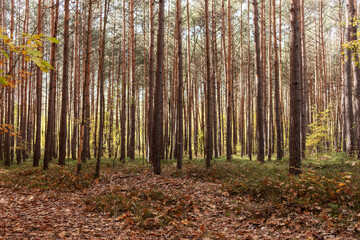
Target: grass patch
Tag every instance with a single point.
(331, 178)
(64, 178)
(56, 178)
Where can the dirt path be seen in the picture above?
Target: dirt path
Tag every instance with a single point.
(215, 215)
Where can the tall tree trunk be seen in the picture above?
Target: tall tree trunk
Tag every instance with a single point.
(242, 87)
(37, 146)
(209, 130)
(123, 104)
(279, 149)
(348, 105)
(101, 90)
(295, 98)
(304, 103)
(259, 73)
(270, 88)
(179, 124)
(229, 87)
(23, 94)
(249, 93)
(49, 139)
(84, 141)
(8, 101)
(213, 78)
(263, 72)
(65, 80)
(151, 72)
(76, 84)
(190, 91)
(157, 130)
(133, 84)
(110, 106)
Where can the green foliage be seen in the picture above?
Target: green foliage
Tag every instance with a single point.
(354, 45)
(30, 50)
(328, 179)
(320, 134)
(201, 140)
(56, 178)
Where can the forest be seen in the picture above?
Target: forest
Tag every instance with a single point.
(179, 119)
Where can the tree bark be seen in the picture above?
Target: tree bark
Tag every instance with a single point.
(157, 130)
(101, 90)
(229, 87)
(37, 146)
(133, 83)
(65, 80)
(179, 124)
(209, 147)
(279, 149)
(190, 91)
(295, 98)
(49, 139)
(259, 73)
(123, 104)
(151, 72)
(348, 104)
(84, 136)
(76, 85)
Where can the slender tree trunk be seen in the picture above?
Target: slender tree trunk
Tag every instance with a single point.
(179, 125)
(304, 105)
(76, 84)
(280, 80)
(209, 130)
(229, 87)
(110, 106)
(249, 95)
(123, 104)
(133, 84)
(8, 101)
(84, 141)
(196, 120)
(259, 112)
(213, 78)
(37, 146)
(101, 90)
(279, 150)
(270, 89)
(190, 92)
(49, 139)
(65, 79)
(22, 151)
(242, 87)
(263, 72)
(151, 72)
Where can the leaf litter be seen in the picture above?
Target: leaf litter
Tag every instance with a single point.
(145, 206)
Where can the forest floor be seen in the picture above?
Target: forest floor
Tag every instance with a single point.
(241, 199)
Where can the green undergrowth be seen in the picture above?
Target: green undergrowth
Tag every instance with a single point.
(56, 178)
(147, 208)
(63, 178)
(330, 179)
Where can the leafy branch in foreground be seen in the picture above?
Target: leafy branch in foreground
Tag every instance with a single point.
(30, 50)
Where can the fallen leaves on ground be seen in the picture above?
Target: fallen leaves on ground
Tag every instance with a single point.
(144, 206)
